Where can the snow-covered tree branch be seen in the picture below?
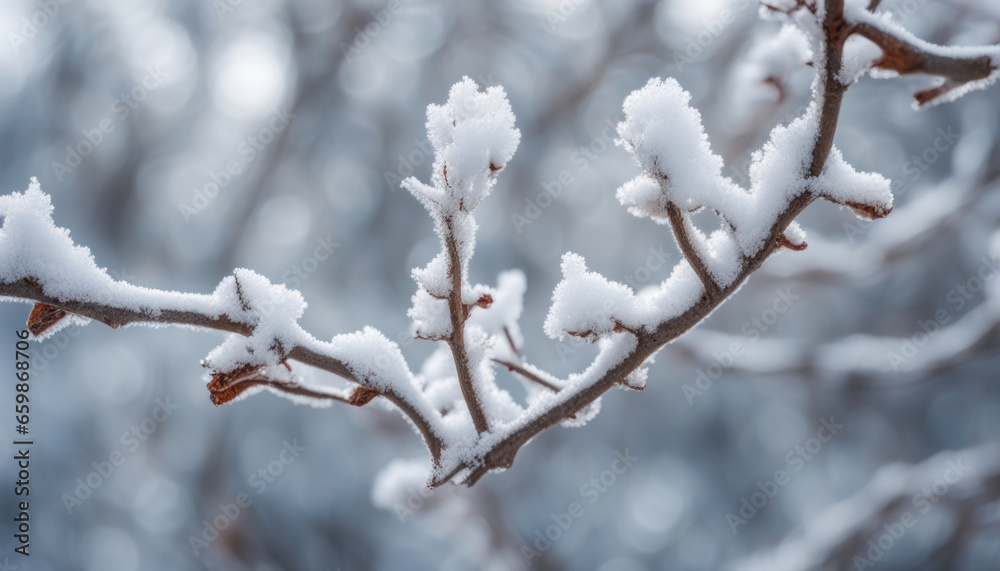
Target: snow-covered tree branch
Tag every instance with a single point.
(469, 424)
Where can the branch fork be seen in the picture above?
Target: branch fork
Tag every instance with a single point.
(476, 327)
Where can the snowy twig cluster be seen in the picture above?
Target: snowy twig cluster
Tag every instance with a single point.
(468, 423)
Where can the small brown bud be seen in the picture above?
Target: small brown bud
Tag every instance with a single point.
(362, 396)
(784, 242)
(868, 211)
(485, 301)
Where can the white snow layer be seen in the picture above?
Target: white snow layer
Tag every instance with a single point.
(32, 246)
(668, 142)
(473, 136)
(859, 55)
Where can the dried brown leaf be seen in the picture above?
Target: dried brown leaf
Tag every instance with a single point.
(43, 317)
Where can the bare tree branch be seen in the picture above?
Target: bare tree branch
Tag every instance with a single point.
(510, 341)
(116, 317)
(904, 56)
(501, 455)
(456, 341)
(515, 368)
(677, 223)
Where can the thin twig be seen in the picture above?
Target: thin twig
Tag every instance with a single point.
(288, 388)
(677, 223)
(456, 341)
(526, 374)
(904, 57)
(510, 340)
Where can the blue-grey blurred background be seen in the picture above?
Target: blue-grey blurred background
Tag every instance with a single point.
(320, 106)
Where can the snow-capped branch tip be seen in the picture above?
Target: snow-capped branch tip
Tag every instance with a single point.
(960, 70)
(228, 386)
(665, 136)
(888, 50)
(474, 138)
(895, 51)
(793, 238)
